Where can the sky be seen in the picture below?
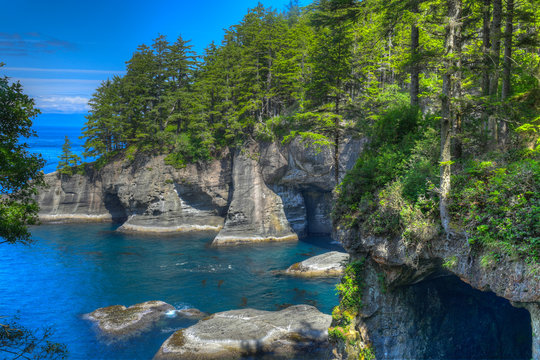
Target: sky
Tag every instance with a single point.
(62, 50)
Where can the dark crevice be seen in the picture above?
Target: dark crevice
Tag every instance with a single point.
(115, 208)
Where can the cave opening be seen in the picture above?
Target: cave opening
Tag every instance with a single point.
(452, 320)
(318, 212)
(115, 208)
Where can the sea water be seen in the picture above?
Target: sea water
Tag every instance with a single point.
(73, 269)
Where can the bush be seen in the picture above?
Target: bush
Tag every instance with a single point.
(388, 191)
(189, 149)
(499, 206)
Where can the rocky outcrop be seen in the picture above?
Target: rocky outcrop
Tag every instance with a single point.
(325, 265)
(299, 329)
(265, 191)
(118, 320)
(256, 213)
(145, 194)
(443, 299)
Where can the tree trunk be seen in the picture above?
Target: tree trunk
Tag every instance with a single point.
(453, 30)
(415, 69)
(507, 65)
(485, 46)
(495, 52)
(458, 95)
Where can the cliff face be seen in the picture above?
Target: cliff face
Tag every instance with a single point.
(263, 192)
(444, 299)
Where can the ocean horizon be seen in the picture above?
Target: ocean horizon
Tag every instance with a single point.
(51, 130)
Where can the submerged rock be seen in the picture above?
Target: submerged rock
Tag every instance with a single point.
(328, 264)
(118, 320)
(297, 330)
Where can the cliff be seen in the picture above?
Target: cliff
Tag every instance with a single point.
(441, 299)
(266, 191)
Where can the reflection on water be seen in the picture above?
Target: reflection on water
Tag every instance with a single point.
(74, 269)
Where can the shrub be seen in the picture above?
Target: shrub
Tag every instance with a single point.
(499, 206)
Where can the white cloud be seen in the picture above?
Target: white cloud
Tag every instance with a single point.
(55, 87)
(62, 104)
(60, 95)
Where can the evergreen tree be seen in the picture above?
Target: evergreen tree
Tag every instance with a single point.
(67, 160)
(20, 173)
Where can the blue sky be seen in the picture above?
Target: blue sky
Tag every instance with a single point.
(61, 50)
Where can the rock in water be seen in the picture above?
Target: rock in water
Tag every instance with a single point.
(256, 212)
(295, 331)
(118, 320)
(328, 264)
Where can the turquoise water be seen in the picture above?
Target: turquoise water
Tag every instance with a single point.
(73, 269)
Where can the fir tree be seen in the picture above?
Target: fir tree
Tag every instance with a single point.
(67, 160)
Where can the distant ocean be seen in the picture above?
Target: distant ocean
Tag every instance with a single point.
(51, 130)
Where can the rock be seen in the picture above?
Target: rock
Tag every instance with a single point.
(325, 265)
(192, 313)
(77, 198)
(233, 334)
(118, 320)
(256, 212)
(407, 285)
(312, 169)
(289, 186)
(146, 195)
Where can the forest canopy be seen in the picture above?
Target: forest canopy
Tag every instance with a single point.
(447, 92)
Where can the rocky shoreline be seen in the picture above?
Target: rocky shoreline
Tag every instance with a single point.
(266, 192)
(272, 192)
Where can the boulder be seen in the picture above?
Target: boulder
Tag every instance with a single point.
(289, 333)
(325, 265)
(118, 320)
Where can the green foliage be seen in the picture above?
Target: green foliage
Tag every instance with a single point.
(68, 161)
(18, 342)
(499, 206)
(20, 173)
(388, 190)
(450, 263)
(188, 149)
(351, 286)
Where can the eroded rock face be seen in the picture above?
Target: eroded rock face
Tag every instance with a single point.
(256, 213)
(76, 198)
(329, 264)
(264, 192)
(118, 320)
(407, 288)
(146, 195)
(299, 329)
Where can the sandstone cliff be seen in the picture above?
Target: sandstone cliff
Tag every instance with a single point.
(266, 191)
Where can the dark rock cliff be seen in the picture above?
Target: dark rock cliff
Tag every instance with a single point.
(443, 300)
(266, 191)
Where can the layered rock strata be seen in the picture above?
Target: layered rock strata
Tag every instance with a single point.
(267, 191)
(256, 213)
(289, 333)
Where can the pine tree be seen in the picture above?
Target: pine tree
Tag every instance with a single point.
(67, 161)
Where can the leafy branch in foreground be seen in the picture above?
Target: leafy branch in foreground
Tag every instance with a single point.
(18, 342)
